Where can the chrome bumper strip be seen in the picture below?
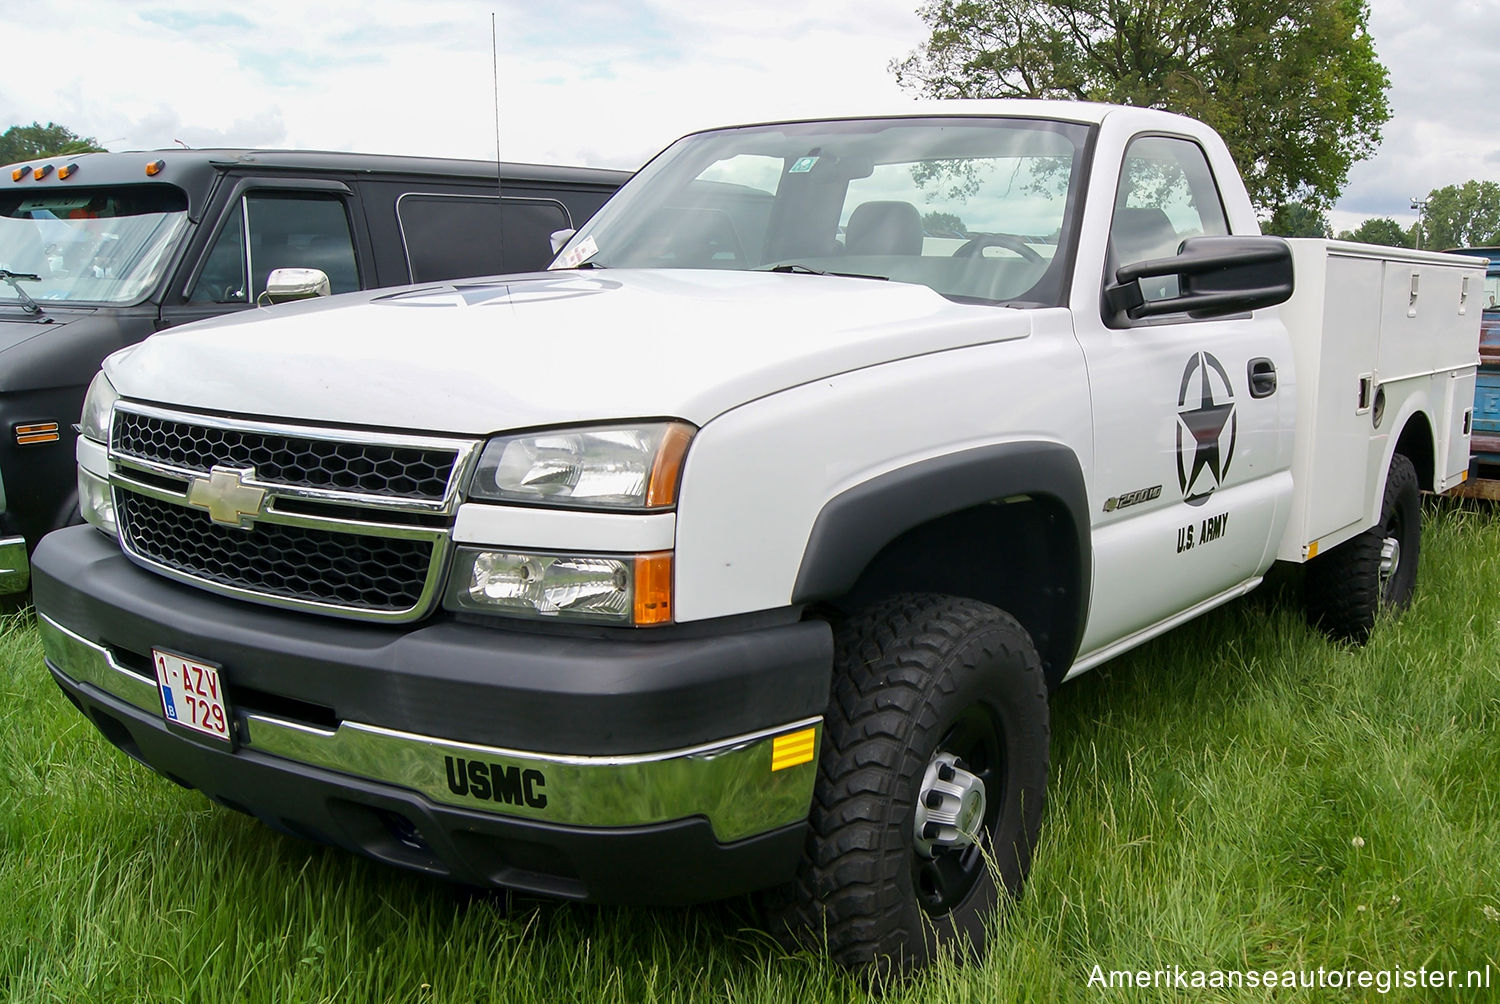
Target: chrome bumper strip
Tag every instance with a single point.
(15, 569)
(745, 785)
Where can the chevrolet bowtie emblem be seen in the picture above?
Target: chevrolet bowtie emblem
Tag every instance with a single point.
(226, 496)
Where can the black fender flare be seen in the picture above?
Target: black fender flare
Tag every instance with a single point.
(855, 525)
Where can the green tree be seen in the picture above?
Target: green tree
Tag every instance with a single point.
(1297, 219)
(1294, 86)
(1379, 230)
(1459, 216)
(30, 142)
(943, 223)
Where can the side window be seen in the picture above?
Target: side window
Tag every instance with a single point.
(458, 236)
(285, 230)
(1167, 194)
(223, 277)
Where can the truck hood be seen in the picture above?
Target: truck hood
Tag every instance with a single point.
(17, 327)
(548, 348)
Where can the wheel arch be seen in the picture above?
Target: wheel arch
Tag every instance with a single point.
(1005, 524)
(1416, 442)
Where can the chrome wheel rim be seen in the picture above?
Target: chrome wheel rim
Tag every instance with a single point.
(957, 808)
(1390, 560)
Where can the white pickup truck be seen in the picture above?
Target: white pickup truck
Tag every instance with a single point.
(742, 549)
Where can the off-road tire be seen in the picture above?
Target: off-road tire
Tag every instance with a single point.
(1344, 590)
(910, 673)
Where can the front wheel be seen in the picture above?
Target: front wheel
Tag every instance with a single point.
(930, 784)
(1346, 588)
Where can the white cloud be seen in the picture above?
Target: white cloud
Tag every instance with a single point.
(1441, 63)
(593, 81)
(600, 82)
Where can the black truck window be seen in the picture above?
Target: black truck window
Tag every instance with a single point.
(456, 236)
(286, 230)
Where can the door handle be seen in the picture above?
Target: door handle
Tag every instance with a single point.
(1262, 377)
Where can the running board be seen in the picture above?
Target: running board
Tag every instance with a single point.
(1144, 635)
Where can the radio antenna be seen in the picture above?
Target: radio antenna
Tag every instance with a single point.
(499, 169)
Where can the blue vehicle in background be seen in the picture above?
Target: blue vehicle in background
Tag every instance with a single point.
(1484, 468)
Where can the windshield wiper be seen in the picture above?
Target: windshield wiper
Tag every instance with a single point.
(796, 269)
(27, 303)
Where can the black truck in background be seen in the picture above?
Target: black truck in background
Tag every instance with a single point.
(99, 250)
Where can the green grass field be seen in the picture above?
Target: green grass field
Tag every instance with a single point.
(1240, 794)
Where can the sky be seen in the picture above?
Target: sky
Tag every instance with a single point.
(604, 83)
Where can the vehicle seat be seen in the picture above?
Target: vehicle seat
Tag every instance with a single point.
(884, 228)
(1142, 234)
(701, 237)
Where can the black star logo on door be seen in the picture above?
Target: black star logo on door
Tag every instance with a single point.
(1206, 428)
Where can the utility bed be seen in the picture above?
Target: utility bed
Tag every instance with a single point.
(1377, 334)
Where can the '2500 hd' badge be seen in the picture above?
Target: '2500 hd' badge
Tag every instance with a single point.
(1132, 498)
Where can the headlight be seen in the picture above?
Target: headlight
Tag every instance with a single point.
(96, 503)
(604, 467)
(98, 405)
(612, 589)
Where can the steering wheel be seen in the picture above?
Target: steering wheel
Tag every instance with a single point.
(977, 244)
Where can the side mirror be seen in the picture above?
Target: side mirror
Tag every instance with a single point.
(1217, 276)
(561, 237)
(284, 284)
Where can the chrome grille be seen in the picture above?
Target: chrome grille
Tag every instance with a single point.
(336, 521)
(345, 569)
(287, 459)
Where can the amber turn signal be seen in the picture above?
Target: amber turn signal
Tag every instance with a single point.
(666, 472)
(653, 589)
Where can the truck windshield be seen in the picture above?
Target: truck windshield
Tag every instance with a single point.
(978, 209)
(90, 245)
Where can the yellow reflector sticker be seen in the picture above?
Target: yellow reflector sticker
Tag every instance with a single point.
(1312, 550)
(791, 750)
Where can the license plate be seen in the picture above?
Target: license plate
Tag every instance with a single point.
(192, 694)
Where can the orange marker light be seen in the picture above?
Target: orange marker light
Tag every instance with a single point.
(653, 589)
(67, 171)
(34, 434)
(19, 173)
(666, 473)
(155, 167)
(42, 172)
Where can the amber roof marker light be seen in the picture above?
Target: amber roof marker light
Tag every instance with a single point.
(66, 171)
(155, 167)
(20, 173)
(42, 172)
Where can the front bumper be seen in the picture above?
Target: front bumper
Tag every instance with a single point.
(687, 819)
(15, 570)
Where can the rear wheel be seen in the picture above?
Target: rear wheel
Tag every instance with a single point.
(1346, 588)
(930, 783)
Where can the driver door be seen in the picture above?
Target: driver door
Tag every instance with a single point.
(1191, 463)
